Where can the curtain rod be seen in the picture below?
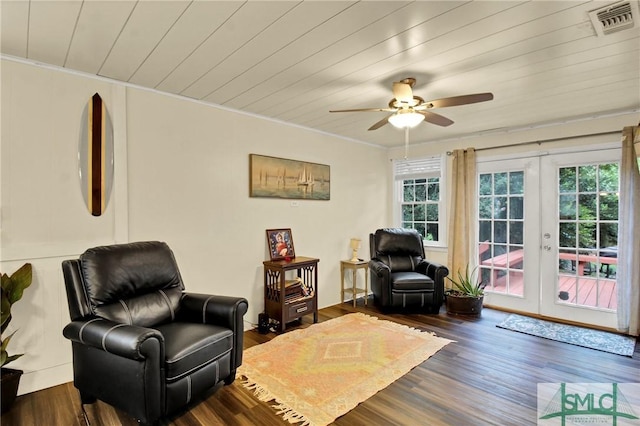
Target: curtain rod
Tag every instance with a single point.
(541, 141)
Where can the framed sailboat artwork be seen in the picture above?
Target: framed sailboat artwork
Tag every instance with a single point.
(275, 177)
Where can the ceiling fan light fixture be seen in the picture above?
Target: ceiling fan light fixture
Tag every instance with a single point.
(406, 119)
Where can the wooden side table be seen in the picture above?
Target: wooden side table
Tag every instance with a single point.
(354, 266)
(287, 300)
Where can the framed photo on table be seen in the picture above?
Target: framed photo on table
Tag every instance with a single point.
(280, 244)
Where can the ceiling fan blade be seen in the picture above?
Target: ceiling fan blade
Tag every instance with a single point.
(434, 118)
(380, 123)
(365, 110)
(459, 100)
(402, 92)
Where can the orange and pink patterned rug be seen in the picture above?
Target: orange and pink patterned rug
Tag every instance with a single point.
(316, 374)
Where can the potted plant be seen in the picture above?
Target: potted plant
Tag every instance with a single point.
(466, 295)
(12, 289)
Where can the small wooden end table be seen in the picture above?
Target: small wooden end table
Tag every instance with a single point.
(354, 266)
(283, 305)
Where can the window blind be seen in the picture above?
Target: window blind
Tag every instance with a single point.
(428, 167)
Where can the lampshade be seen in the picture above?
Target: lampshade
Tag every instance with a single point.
(354, 244)
(406, 118)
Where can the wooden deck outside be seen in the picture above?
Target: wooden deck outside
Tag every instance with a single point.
(576, 286)
(573, 289)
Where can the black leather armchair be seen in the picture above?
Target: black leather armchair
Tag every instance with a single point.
(400, 275)
(140, 343)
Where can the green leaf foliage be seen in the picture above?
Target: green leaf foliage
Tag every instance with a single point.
(13, 287)
(467, 284)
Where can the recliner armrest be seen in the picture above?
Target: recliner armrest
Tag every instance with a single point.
(422, 267)
(211, 309)
(378, 267)
(436, 270)
(225, 311)
(119, 339)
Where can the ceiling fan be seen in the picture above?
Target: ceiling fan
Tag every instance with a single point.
(409, 110)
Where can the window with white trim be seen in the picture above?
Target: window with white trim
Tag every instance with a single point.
(420, 191)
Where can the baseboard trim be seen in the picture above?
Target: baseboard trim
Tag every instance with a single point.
(32, 381)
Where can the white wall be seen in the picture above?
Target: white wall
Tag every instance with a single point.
(193, 193)
(43, 215)
(181, 177)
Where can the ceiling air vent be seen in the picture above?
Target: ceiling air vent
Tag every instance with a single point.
(615, 17)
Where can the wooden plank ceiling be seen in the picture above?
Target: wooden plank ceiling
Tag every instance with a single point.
(295, 61)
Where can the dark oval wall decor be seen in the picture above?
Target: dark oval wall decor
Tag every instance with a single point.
(95, 156)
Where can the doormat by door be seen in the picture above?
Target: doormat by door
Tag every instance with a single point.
(574, 335)
(316, 374)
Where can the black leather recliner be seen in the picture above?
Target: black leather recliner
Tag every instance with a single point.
(400, 275)
(140, 343)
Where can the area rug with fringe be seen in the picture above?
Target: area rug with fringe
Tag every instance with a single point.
(316, 374)
(574, 335)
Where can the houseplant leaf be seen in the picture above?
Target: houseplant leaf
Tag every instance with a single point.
(467, 284)
(17, 283)
(13, 287)
(4, 356)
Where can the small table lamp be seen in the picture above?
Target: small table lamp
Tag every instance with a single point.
(355, 245)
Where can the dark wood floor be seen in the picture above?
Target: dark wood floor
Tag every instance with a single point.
(488, 376)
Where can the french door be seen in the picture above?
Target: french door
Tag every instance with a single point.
(547, 235)
(508, 233)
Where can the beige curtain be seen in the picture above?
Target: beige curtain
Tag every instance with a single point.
(628, 272)
(461, 217)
